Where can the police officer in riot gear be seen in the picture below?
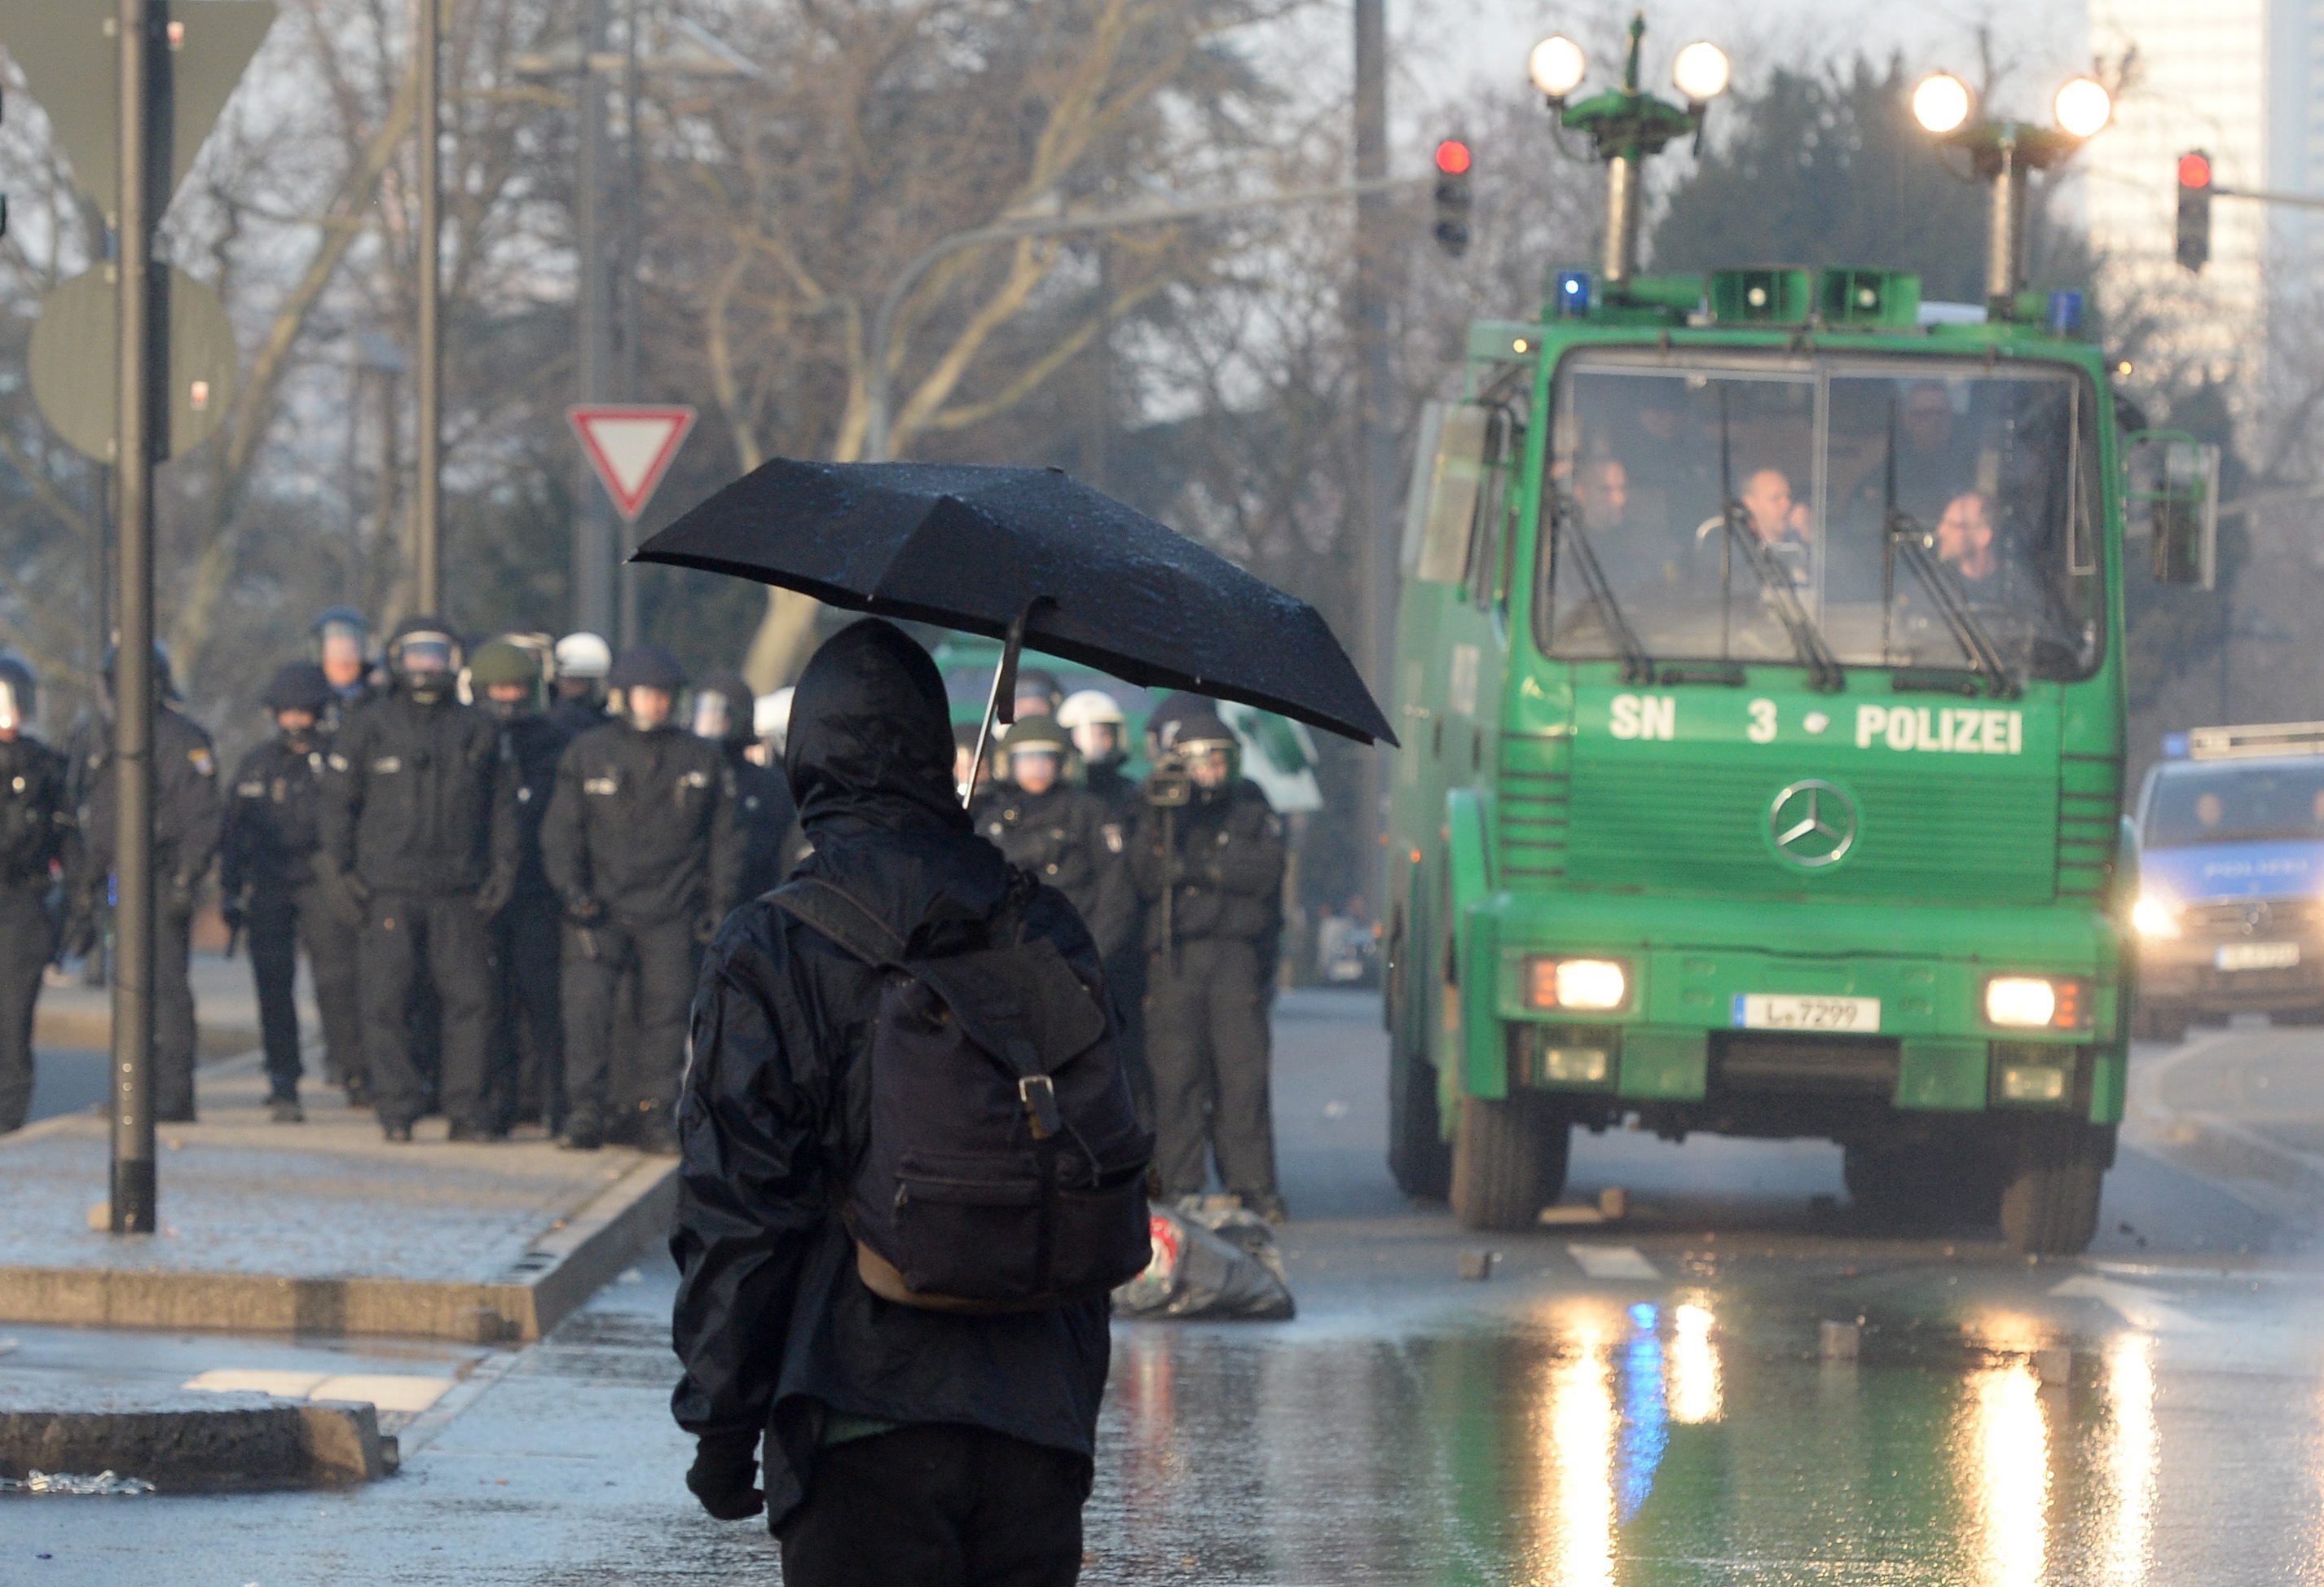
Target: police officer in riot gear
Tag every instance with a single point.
(1208, 856)
(37, 838)
(186, 822)
(764, 815)
(1095, 718)
(1058, 832)
(641, 845)
(269, 886)
(528, 1076)
(582, 661)
(419, 831)
(343, 651)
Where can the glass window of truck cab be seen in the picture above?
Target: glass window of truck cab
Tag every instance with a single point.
(1907, 513)
(2236, 802)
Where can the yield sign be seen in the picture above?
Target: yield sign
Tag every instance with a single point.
(630, 446)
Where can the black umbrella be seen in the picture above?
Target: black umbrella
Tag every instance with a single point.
(1029, 557)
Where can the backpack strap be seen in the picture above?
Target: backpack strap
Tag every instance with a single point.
(836, 914)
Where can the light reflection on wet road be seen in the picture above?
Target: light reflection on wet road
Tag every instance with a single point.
(1671, 1423)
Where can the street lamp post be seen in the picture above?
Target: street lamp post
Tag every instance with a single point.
(427, 520)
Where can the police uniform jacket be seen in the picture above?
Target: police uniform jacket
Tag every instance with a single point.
(1222, 867)
(1120, 794)
(186, 814)
(36, 818)
(766, 818)
(271, 825)
(1070, 840)
(643, 823)
(535, 744)
(419, 799)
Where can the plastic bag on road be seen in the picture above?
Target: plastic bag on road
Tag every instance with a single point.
(104, 1485)
(1209, 1263)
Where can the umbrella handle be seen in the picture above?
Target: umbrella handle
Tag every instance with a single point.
(1001, 706)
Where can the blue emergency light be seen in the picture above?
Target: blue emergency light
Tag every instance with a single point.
(1573, 293)
(2065, 314)
(2174, 746)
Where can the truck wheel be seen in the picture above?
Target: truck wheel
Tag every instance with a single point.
(2050, 1205)
(1419, 1159)
(1508, 1162)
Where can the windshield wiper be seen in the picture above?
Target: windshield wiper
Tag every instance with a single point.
(1775, 578)
(1638, 666)
(1908, 540)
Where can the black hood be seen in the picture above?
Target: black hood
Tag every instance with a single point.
(871, 737)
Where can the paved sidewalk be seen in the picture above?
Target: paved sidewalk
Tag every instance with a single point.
(320, 1228)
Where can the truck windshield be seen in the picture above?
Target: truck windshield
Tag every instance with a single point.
(1927, 514)
(2237, 804)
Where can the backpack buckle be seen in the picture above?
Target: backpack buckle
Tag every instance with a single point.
(1040, 1100)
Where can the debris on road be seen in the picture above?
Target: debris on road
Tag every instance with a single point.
(104, 1485)
(1212, 1263)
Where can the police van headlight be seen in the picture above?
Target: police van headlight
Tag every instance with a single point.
(2037, 1003)
(1593, 986)
(2152, 916)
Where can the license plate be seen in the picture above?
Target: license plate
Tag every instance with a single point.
(1755, 1011)
(2258, 956)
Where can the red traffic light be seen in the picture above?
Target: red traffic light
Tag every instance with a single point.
(1452, 157)
(2194, 170)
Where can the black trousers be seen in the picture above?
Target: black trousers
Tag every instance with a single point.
(280, 921)
(661, 959)
(937, 1505)
(28, 940)
(174, 1013)
(1206, 1043)
(445, 934)
(528, 1084)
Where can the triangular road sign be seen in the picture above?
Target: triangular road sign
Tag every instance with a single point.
(69, 61)
(631, 446)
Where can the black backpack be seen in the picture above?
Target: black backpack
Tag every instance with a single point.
(1002, 1167)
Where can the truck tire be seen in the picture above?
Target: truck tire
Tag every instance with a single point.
(1419, 1159)
(1915, 1188)
(1508, 1162)
(2050, 1205)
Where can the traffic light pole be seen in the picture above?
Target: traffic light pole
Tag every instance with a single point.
(145, 154)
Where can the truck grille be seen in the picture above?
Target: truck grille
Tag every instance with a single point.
(1532, 812)
(1829, 1066)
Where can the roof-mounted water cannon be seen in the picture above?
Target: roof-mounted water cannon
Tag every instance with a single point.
(2001, 153)
(1627, 124)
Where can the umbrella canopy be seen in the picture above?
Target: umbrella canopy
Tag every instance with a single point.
(984, 548)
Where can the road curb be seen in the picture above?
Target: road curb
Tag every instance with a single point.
(247, 1442)
(2221, 1147)
(570, 1262)
(87, 1029)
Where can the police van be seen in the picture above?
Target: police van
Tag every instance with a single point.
(2229, 919)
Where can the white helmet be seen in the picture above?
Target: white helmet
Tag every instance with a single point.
(771, 716)
(1092, 707)
(584, 655)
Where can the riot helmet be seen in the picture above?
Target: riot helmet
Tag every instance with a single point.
(1095, 718)
(298, 686)
(424, 656)
(19, 695)
(506, 677)
(652, 672)
(1037, 692)
(723, 711)
(1205, 746)
(343, 648)
(583, 660)
(1036, 752)
(165, 688)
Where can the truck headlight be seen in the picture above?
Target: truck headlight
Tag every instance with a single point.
(2151, 916)
(1595, 986)
(2037, 1003)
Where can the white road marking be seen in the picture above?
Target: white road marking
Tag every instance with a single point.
(1614, 1262)
(388, 1392)
(2138, 1307)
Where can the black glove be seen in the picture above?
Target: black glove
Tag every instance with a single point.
(705, 928)
(231, 912)
(493, 896)
(584, 911)
(724, 1465)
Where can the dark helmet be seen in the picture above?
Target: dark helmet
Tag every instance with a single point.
(340, 619)
(298, 686)
(1199, 731)
(165, 687)
(424, 655)
(18, 693)
(503, 662)
(723, 708)
(646, 666)
(1037, 683)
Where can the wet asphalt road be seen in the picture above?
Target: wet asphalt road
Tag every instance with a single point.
(1639, 1403)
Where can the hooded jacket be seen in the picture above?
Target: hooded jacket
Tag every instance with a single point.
(773, 1329)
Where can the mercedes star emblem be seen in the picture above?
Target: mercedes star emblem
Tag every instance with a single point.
(1813, 823)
